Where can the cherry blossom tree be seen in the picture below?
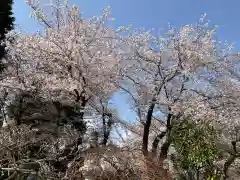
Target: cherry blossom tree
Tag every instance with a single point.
(72, 57)
(180, 74)
(71, 60)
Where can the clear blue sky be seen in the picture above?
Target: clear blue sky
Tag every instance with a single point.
(153, 14)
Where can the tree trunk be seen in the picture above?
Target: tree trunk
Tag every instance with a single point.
(156, 142)
(230, 160)
(147, 128)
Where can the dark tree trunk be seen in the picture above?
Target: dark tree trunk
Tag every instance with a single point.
(167, 143)
(147, 128)
(231, 159)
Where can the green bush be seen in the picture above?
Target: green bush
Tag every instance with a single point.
(195, 147)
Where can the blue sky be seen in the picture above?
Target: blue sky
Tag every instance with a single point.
(153, 14)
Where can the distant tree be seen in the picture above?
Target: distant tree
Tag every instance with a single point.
(6, 24)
